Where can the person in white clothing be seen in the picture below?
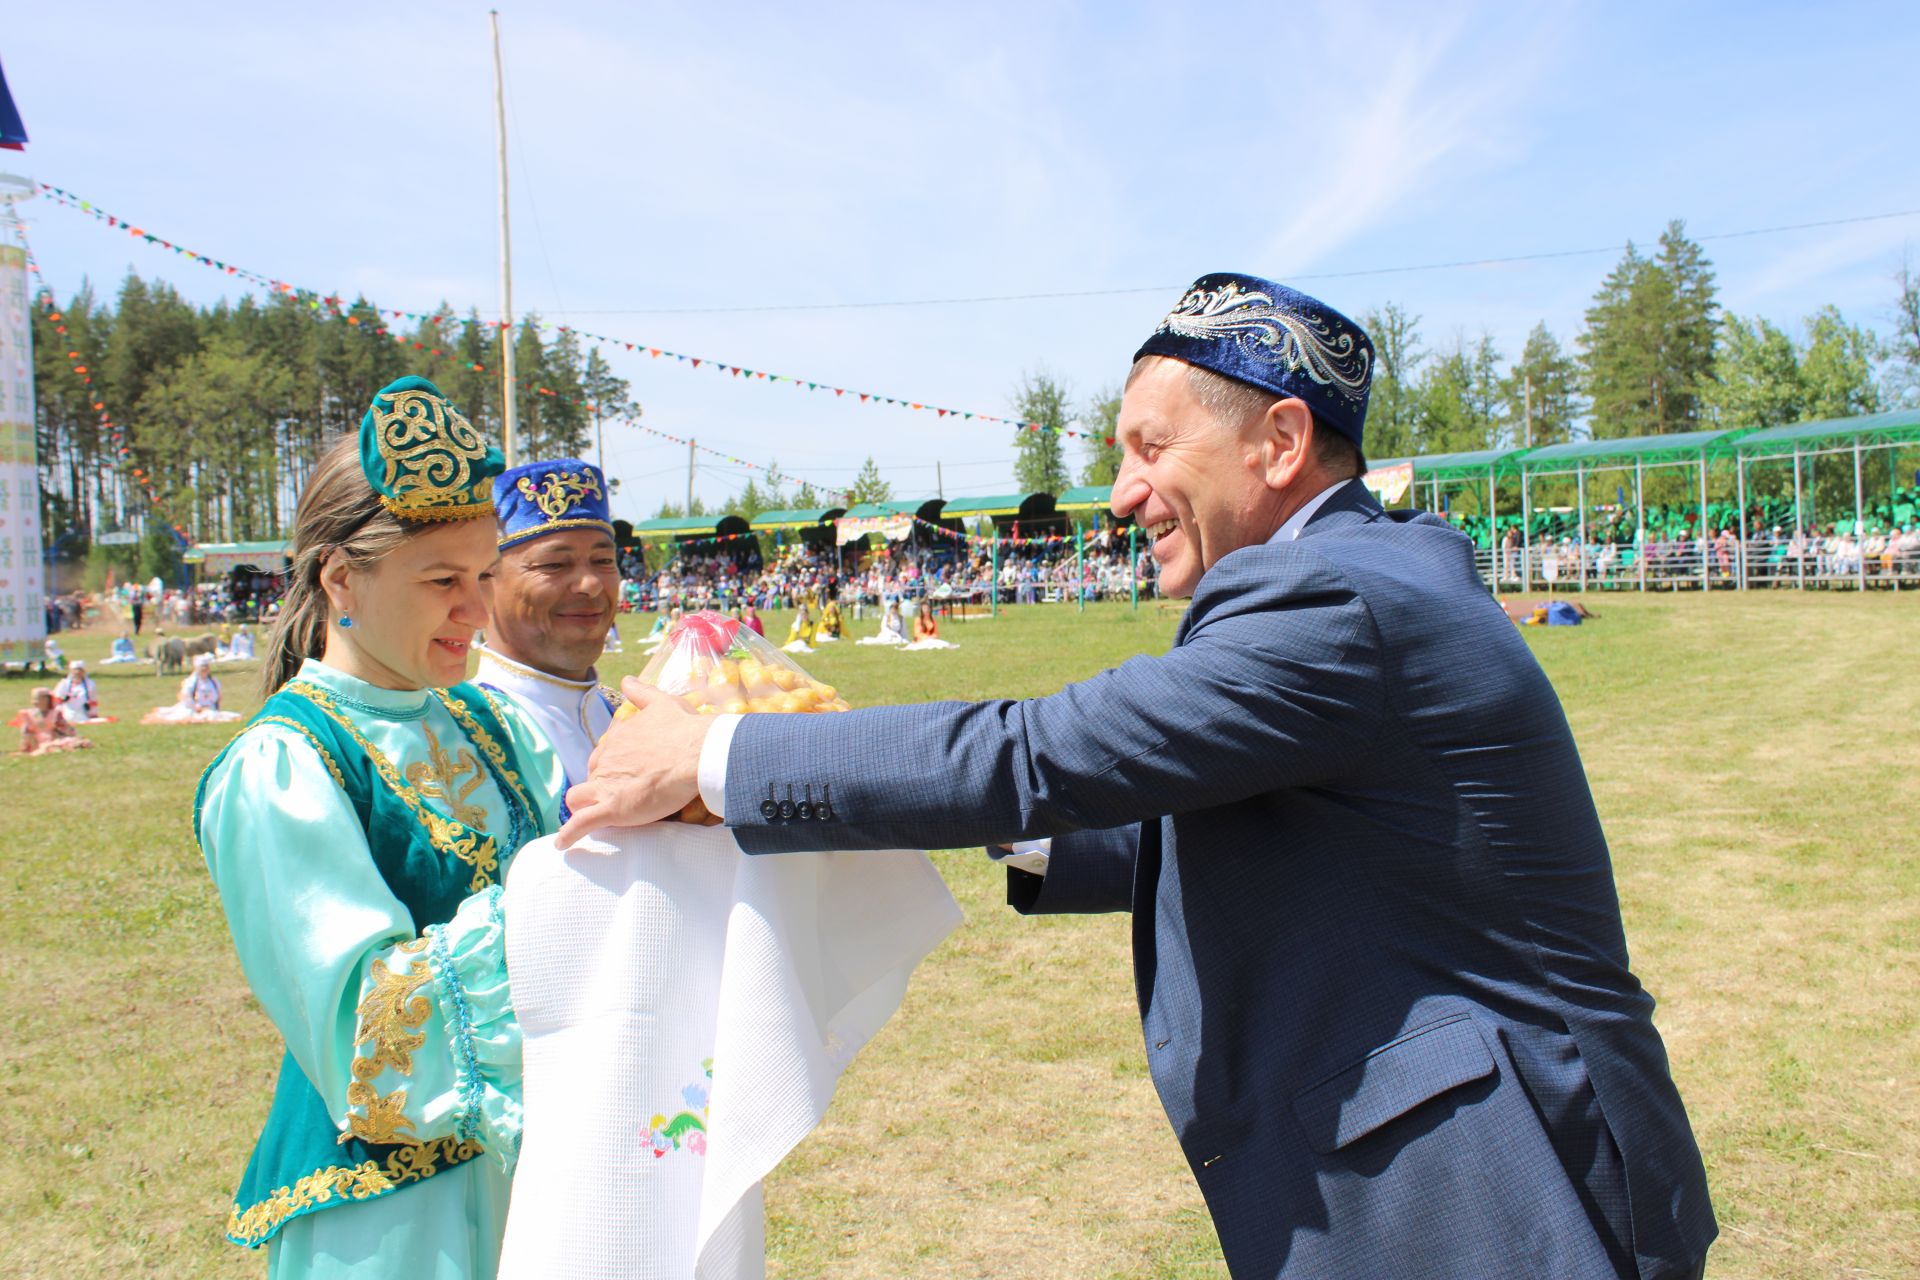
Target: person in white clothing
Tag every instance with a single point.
(77, 695)
(555, 594)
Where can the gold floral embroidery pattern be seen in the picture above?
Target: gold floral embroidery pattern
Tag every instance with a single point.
(437, 776)
(390, 1014)
(558, 491)
(254, 1225)
(428, 451)
(448, 836)
(488, 747)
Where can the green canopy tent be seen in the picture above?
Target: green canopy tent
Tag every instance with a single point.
(1805, 441)
(1637, 453)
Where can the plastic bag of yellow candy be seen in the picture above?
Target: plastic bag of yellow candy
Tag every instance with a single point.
(715, 665)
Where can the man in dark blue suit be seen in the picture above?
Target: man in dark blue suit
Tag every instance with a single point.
(1379, 958)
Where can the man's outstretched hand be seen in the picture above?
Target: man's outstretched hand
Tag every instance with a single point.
(646, 768)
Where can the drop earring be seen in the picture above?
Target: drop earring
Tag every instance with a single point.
(345, 621)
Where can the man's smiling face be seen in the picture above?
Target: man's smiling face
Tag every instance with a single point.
(553, 600)
(1195, 485)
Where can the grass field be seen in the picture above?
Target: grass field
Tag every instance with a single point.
(1756, 760)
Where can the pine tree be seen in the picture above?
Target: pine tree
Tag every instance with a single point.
(1538, 393)
(1041, 464)
(1648, 350)
(868, 486)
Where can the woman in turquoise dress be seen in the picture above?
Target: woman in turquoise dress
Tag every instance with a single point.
(358, 830)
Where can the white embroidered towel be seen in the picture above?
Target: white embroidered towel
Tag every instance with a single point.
(686, 1011)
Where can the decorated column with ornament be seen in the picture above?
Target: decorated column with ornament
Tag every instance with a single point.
(23, 615)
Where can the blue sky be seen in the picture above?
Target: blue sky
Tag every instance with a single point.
(669, 159)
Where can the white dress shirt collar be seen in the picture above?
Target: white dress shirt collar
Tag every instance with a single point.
(1298, 520)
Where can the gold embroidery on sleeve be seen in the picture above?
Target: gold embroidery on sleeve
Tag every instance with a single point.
(389, 1015)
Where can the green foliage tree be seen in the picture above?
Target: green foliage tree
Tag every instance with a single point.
(1838, 367)
(1100, 420)
(868, 486)
(1393, 403)
(1905, 346)
(1766, 379)
(1040, 463)
(1459, 398)
(1539, 394)
(1759, 383)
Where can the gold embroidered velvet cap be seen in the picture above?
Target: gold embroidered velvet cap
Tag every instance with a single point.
(423, 458)
(550, 497)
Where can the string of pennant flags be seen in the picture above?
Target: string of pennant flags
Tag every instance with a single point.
(338, 309)
(318, 301)
(76, 361)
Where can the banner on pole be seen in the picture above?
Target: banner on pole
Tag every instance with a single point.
(1390, 484)
(23, 613)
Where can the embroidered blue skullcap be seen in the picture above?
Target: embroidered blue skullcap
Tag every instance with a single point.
(1275, 338)
(550, 497)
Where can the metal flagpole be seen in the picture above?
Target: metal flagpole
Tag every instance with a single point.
(993, 582)
(1640, 522)
(1859, 518)
(1706, 583)
(1740, 489)
(1080, 565)
(1799, 526)
(1580, 482)
(509, 417)
(1133, 562)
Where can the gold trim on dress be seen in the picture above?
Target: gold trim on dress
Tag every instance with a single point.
(448, 835)
(254, 1225)
(489, 748)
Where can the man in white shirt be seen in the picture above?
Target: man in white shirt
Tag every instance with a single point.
(554, 599)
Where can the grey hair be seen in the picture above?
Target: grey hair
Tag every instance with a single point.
(1233, 403)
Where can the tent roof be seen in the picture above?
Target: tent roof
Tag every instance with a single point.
(796, 519)
(1006, 504)
(1086, 497)
(869, 510)
(678, 524)
(1867, 428)
(1474, 464)
(1660, 448)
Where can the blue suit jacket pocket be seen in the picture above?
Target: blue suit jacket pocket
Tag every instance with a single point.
(1391, 1081)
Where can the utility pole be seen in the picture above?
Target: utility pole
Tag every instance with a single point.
(939, 481)
(690, 447)
(1526, 412)
(506, 248)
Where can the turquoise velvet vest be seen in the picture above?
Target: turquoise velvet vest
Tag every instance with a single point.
(431, 864)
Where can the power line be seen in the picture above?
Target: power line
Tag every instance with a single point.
(1457, 264)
